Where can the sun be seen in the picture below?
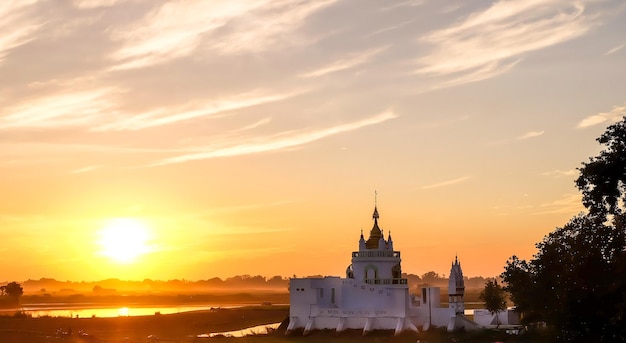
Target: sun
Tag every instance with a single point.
(124, 239)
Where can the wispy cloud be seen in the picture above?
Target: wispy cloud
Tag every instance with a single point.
(486, 72)
(347, 63)
(173, 30)
(530, 134)
(406, 3)
(177, 29)
(389, 28)
(261, 122)
(559, 172)
(96, 3)
(277, 142)
(66, 109)
(489, 40)
(447, 183)
(85, 169)
(251, 33)
(17, 24)
(568, 203)
(522, 137)
(614, 50)
(612, 116)
(164, 116)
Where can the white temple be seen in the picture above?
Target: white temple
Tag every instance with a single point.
(373, 295)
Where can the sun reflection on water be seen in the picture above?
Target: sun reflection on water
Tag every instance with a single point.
(123, 312)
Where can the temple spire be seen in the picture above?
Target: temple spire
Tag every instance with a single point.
(375, 234)
(375, 215)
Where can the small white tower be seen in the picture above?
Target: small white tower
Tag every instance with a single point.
(456, 288)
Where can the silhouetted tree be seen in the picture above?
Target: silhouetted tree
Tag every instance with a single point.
(576, 281)
(602, 180)
(519, 276)
(494, 297)
(431, 278)
(12, 292)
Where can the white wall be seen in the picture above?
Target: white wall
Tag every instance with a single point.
(360, 305)
(485, 318)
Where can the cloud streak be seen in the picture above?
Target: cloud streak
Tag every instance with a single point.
(530, 134)
(261, 122)
(17, 25)
(165, 116)
(614, 50)
(568, 203)
(485, 72)
(447, 183)
(487, 41)
(89, 4)
(71, 108)
(350, 62)
(559, 172)
(277, 142)
(178, 29)
(612, 116)
(85, 169)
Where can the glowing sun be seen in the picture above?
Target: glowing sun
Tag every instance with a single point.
(124, 239)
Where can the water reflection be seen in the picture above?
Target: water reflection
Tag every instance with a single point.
(85, 311)
(254, 330)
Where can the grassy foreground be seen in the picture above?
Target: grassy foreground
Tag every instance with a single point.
(184, 327)
(179, 327)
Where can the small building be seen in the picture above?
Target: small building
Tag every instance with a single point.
(373, 295)
(508, 317)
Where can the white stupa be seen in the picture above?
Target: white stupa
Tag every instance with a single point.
(373, 295)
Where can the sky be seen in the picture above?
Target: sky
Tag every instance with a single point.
(192, 139)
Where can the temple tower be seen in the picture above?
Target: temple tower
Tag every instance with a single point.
(376, 262)
(456, 288)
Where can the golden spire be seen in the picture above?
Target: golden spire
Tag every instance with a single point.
(375, 233)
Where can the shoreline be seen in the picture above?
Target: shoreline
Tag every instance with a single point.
(118, 310)
(178, 327)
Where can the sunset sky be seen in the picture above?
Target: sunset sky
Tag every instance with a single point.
(192, 139)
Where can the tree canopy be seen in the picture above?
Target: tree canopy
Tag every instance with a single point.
(576, 282)
(602, 180)
(11, 292)
(494, 297)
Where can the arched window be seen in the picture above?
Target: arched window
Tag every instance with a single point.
(371, 273)
(396, 273)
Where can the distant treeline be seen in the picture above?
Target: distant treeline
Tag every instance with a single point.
(239, 282)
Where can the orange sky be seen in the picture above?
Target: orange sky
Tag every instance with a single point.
(248, 137)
